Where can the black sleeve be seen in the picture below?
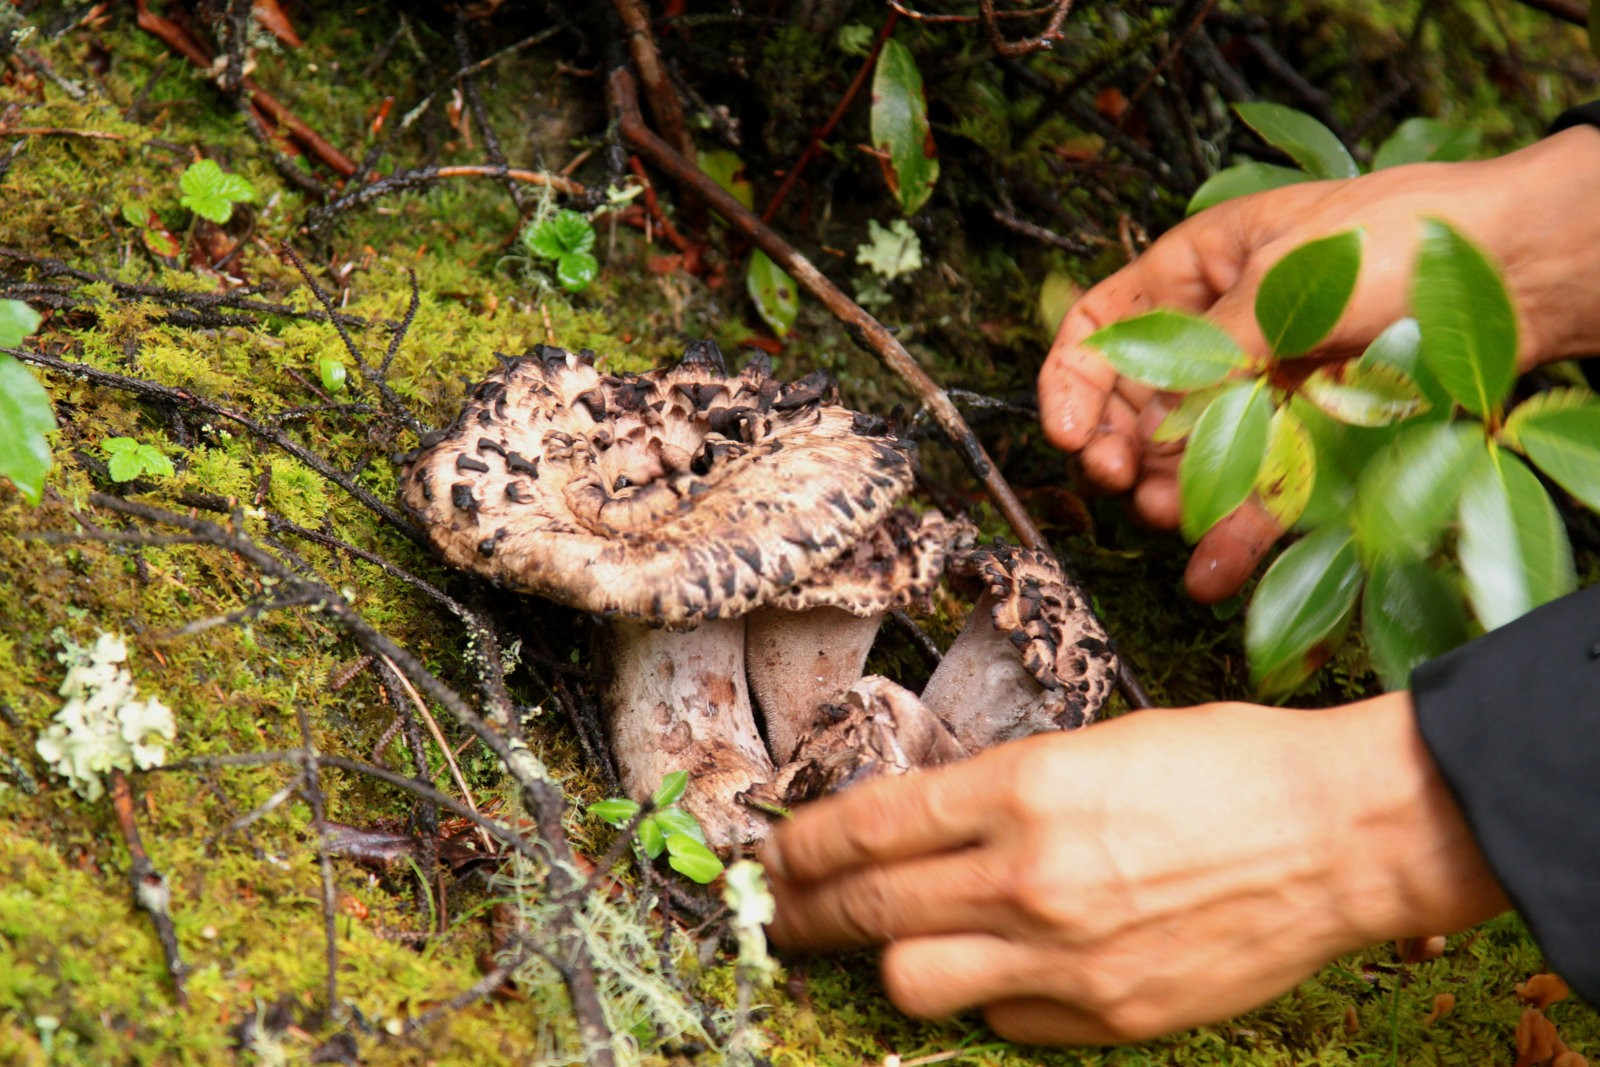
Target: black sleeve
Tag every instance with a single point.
(1513, 721)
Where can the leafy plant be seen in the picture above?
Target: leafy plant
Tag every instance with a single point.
(211, 192)
(152, 231)
(666, 828)
(129, 459)
(1380, 459)
(1320, 154)
(25, 412)
(566, 238)
(900, 130)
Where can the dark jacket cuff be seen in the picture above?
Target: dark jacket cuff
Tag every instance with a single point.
(1513, 722)
(1582, 115)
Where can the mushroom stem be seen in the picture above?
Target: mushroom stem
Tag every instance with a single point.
(678, 701)
(799, 660)
(980, 688)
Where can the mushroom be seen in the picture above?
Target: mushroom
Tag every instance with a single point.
(810, 642)
(672, 503)
(1031, 657)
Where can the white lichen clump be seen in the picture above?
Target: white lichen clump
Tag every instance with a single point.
(103, 726)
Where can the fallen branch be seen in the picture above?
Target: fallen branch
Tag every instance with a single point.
(150, 889)
(403, 180)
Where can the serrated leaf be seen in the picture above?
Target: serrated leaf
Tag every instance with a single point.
(562, 233)
(1303, 295)
(1242, 179)
(17, 320)
(1408, 491)
(1300, 607)
(617, 810)
(1513, 549)
(773, 292)
(652, 838)
(1220, 462)
(727, 170)
(692, 859)
(1288, 468)
(1169, 349)
(1307, 141)
(1419, 140)
(1409, 614)
(211, 193)
(671, 788)
(900, 129)
(1469, 330)
(25, 418)
(575, 270)
(1180, 421)
(125, 466)
(674, 820)
(1364, 394)
(113, 446)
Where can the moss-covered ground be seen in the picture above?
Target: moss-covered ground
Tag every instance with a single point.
(82, 977)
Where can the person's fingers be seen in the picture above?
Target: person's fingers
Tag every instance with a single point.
(1228, 552)
(1073, 386)
(1156, 501)
(1042, 1021)
(930, 977)
(1152, 413)
(1111, 459)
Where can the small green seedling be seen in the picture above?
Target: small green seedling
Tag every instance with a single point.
(667, 828)
(331, 370)
(129, 459)
(25, 412)
(565, 237)
(211, 192)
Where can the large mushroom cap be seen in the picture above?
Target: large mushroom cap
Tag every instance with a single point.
(674, 496)
(896, 564)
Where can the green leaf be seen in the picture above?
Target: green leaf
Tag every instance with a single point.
(1409, 614)
(332, 371)
(1301, 605)
(1288, 469)
(17, 320)
(1469, 330)
(210, 192)
(25, 418)
(1407, 492)
(131, 459)
(1242, 179)
(1400, 346)
(1169, 349)
(727, 170)
(125, 466)
(564, 232)
(1180, 421)
(575, 270)
(890, 251)
(692, 859)
(652, 838)
(773, 292)
(1419, 140)
(135, 213)
(1364, 394)
(1224, 452)
(116, 446)
(674, 820)
(1562, 438)
(1307, 141)
(1303, 295)
(670, 789)
(1513, 549)
(900, 127)
(617, 810)
(1342, 452)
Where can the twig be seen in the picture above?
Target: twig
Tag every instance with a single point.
(867, 330)
(438, 737)
(1075, 245)
(1028, 45)
(150, 889)
(404, 180)
(664, 104)
(1573, 11)
(319, 814)
(61, 131)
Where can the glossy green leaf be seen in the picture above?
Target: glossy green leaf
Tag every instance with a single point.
(1407, 492)
(674, 820)
(1364, 394)
(1288, 468)
(1308, 142)
(671, 788)
(900, 129)
(1560, 432)
(564, 232)
(692, 859)
(1169, 349)
(1299, 608)
(1410, 613)
(1303, 295)
(331, 370)
(1513, 549)
(1224, 452)
(1400, 346)
(210, 192)
(774, 293)
(1180, 421)
(617, 810)
(1242, 179)
(727, 170)
(1469, 330)
(1421, 140)
(652, 838)
(25, 418)
(575, 270)
(17, 320)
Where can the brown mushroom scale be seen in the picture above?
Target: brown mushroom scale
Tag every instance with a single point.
(668, 501)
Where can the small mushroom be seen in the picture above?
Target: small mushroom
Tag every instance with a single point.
(671, 501)
(1032, 656)
(811, 641)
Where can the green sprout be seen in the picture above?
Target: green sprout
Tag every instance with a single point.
(130, 458)
(211, 192)
(666, 828)
(567, 238)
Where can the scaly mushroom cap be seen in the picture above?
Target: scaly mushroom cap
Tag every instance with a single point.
(1056, 634)
(674, 496)
(896, 564)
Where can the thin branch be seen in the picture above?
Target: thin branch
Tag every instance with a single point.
(1028, 45)
(150, 889)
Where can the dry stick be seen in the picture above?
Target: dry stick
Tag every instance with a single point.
(866, 329)
(664, 104)
(438, 737)
(403, 180)
(1028, 45)
(150, 889)
(319, 812)
(1573, 11)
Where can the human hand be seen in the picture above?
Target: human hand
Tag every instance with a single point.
(1138, 876)
(1531, 211)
